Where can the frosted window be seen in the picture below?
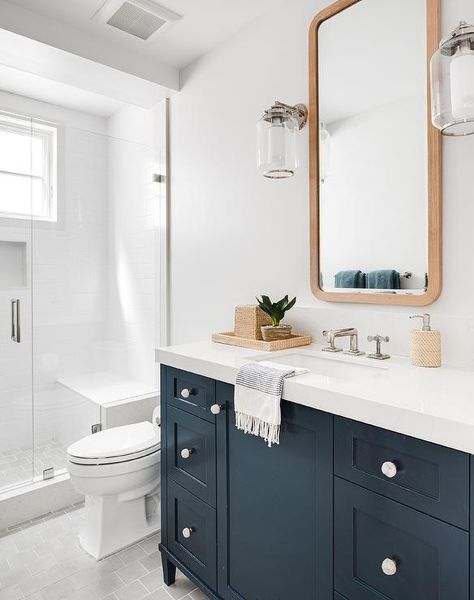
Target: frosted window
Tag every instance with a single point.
(28, 168)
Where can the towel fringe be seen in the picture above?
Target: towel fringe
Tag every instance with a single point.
(255, 426)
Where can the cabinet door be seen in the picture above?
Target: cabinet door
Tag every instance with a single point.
(274, 507)
(386, 550)
(428, 477)
(191, 453)
(192, 532)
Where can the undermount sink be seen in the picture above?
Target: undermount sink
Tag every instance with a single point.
(335, 366)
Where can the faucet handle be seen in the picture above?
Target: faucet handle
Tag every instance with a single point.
(378, 339)
(331, 339)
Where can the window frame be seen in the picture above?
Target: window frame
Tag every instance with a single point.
(48, 132)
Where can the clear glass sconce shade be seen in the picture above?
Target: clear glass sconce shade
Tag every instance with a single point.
(324, 152)
(276, 145)
(452, 83)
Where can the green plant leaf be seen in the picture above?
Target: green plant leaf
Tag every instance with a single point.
(266, 306)
(276, 310)
(290, 304)
(281, 303)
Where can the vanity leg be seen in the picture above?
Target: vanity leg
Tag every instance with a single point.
(169, 571)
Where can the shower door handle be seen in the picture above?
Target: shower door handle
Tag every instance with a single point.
(16, 337)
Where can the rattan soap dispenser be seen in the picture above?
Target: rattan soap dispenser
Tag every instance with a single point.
(425, 344)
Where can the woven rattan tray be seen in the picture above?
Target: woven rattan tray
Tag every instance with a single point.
(230, 338)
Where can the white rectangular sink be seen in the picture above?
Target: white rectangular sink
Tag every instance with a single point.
(334, 366)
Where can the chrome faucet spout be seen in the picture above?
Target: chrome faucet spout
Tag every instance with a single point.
(350, 332)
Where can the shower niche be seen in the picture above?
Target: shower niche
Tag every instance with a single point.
(13, 264)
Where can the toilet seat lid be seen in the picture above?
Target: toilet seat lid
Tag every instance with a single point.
(117, 441)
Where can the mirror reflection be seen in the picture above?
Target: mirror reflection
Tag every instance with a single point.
(373, 155)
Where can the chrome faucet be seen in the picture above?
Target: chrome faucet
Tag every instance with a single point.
(350, 332)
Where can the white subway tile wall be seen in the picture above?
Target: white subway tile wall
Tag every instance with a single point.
(88, 304)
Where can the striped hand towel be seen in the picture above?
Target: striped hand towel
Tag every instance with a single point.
(258, 390)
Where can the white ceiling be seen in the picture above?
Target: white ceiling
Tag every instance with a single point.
(55, 92)
(204, 25)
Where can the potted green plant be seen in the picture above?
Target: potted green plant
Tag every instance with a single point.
(276, 311)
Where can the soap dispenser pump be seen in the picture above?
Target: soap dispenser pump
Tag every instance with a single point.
(425, 344)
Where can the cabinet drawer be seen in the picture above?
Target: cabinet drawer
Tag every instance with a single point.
(191, 453)
(427, 477)
(193, 393)
(431, 558)
(198, 551)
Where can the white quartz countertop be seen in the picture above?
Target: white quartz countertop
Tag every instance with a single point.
(436, 405)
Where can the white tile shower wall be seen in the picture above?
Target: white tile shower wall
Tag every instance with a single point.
(132, 258)
(223, 213)
(69, 290)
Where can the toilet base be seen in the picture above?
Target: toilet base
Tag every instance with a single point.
(112, 523)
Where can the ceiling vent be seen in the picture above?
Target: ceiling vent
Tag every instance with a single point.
(140, 18)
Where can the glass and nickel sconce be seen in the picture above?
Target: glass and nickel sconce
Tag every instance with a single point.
(452, 83)
(276, 139)
(324, 152)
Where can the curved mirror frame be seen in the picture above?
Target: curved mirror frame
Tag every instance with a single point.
(433, 14)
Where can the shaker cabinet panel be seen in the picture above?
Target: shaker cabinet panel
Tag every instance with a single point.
(190, 392)
(274, 507)
(384, 549)
(192, 532)
(425, 476)
(191, 453)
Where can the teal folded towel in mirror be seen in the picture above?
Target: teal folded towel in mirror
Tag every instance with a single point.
(350, 279)
(387, 279)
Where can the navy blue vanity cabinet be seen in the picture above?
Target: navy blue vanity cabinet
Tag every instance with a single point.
(275, 507)
(188, 477)
(244, 521)
(339, 510)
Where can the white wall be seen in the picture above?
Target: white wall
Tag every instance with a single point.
(223, 215)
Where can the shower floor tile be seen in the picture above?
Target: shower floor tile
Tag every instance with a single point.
(16, 466)
(42, 560)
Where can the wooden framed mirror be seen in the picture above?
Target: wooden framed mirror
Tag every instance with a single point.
(375, 157)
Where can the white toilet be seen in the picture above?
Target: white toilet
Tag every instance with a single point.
(116, 469)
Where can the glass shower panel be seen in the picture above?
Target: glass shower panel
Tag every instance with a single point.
(94, 293)
(69, 296)
(18, 157)
(132, 308)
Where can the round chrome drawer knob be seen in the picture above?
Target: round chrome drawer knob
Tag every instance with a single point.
(389, 567)
(187, 531)
(389, 469)
(215, 409)
(186, 453)
(185, 393)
